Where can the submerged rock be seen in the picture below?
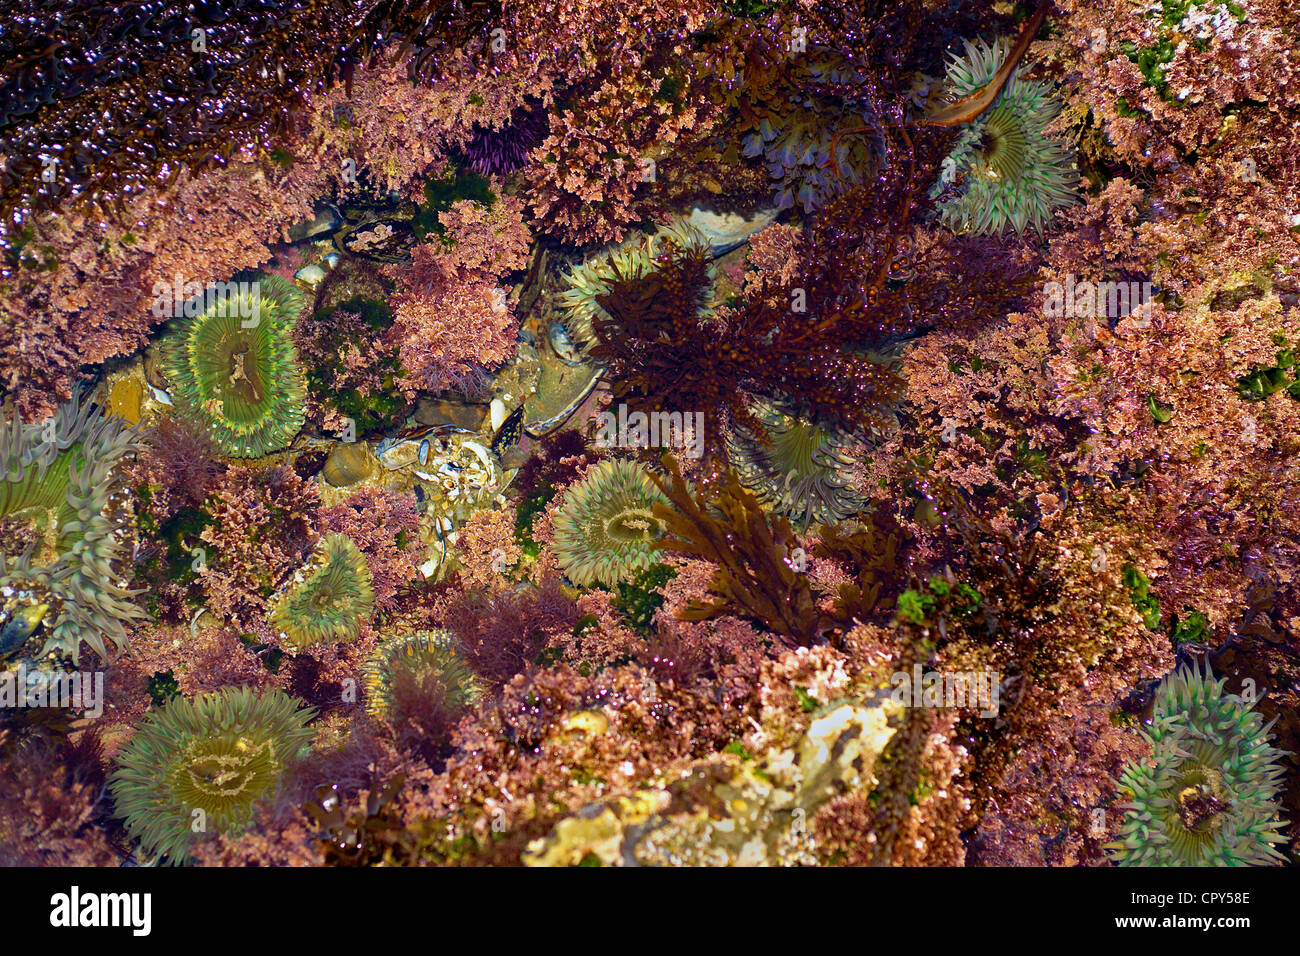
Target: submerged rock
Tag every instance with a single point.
(728, 230)
(437, 411)
(310, 276)
(126, 398)
(327, 219)
(380, 231)
(515, 457)
(729, 811)
(348, 463)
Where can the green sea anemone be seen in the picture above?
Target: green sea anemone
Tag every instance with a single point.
(635, 258)
(328, 600)
(63, 526)
(803, 474)
(1207, 795)
(606, 527)
(1005, 171)
(794, 114)
(200, 766)
(233, 368)
(429, 658)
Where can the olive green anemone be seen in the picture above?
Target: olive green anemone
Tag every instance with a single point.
(1006, 171)
(1208, 794)
(62, 508)
(431, 659)
(633, 259)
(606, 527)
(329, 599)
(233, 368)
(803, 474)
(201, 766)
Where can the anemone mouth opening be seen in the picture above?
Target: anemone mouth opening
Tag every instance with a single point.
(1002, 150)
(633, 524)
(330, 603)
(219, 773)
(237, 368)
(1201, 800)
(796, 448)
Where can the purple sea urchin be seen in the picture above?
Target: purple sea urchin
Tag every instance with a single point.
(60, 494)
(200, 766)
(1207, 797)
(1005, 171)
(233, 369)
(329, 599)
(498, 152)
(606, 527)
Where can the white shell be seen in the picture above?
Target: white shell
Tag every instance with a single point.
(159, 395)
(726, 231)
(482, 453)
(310, 275)
(399, 455)
(498, 411)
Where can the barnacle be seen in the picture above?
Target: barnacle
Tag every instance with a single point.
(633, 259)
(329, 599)
(60, 501)
(427, 657)
(802, 474)
(234, 370)
(200, 766)
(1005, 170)
(755, 578)
(1207, 796)
(606, 527)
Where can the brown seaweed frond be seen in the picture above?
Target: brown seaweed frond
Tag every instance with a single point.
(756, 578)
(872, 550)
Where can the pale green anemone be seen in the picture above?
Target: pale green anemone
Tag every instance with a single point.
(1208, 794)
(201, 766)
(1005, 171)
(429, 657)
(62, 498)
(606, 528)
(329, 600)
(633, 259)
(233, 368)
(803, 474)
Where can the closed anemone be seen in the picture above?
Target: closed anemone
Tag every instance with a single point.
(803, 474)
(606, 528)
(233, 369)
(329, 600)
(428, 660)
(1006, 171)
(201, 766)
(64, 527)
(795, 120)
(1208, 795)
